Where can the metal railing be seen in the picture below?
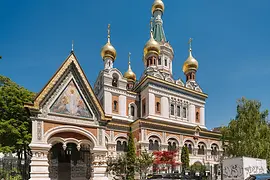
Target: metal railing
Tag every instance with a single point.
(13, 169)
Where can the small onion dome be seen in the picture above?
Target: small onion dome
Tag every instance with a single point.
(129, 74)
(108, 51)
(190, 64)
(158, 5)
(152, 46)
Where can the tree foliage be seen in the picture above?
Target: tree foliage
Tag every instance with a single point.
(165, 160)
(144, 162)
(15, 125)
(131, 157)
(185, 157)
(249, 133)
(117, 166)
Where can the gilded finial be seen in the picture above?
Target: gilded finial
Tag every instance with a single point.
(151, 24)
(190, 45)
(129, 54)
(72, 46)
(109, 32)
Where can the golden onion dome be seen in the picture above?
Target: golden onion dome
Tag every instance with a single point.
(108, 50)
(152, 46)
(190, 64)
(158, 5)
(129, 74)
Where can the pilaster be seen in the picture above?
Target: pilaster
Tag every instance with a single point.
(191, 113)
(202, 116)
(39, 162)
(99, 166)
(108, 102)
(122, 105)
(165, 107)
(151, 104)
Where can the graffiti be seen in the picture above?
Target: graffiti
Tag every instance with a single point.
(233, 171)
(254, 170)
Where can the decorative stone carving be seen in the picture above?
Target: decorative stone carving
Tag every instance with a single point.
(39, 130)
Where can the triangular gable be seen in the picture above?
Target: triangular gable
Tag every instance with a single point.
(71, 102)
(49, 86)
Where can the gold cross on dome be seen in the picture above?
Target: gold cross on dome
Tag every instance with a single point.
(109, 32)
(189, 42)
(129, 54)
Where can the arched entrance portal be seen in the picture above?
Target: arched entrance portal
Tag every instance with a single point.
(70, 161)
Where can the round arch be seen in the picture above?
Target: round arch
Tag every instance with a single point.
(155, 134)
(121, 135)
(173, 137)
(74, 129)
(189, 139)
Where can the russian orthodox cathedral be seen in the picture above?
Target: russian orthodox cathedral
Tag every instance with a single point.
(76, 127)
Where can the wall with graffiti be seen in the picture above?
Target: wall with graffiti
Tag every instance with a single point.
(243, 167)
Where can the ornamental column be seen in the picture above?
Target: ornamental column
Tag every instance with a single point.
(40, 149)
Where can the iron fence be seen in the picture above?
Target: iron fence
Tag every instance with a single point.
(13, 169)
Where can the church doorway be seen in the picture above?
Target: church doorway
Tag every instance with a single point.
(70, 162)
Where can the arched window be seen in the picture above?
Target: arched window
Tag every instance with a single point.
(189, 145)
(201, 148)
(178, 111)
(197, 117)
(190, 149)
(156, 145)
(172, 109)
(132, 110)
(159, 61)
(115, 80)
(214, 149)
(174, 146)
(184, 112)
(115, 105)
(124, 146)
(165, 62)
(158, 106)
(118, 146)
(151, 145)
(169, 146)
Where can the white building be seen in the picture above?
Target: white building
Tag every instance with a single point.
(75, 127)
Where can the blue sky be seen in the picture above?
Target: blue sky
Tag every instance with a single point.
(231, 43)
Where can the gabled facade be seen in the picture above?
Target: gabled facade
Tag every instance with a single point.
(76, 128)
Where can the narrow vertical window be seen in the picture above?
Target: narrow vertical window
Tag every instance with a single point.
(132, 110)
(172, 109)
(115, 105)
(197, 117)
(158, 107)
(159, 61)
(178, 111)
(165, 62)
(184, 112)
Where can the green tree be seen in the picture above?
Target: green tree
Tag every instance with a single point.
(117, 166)
(249, 133)
(185, 158)
(144, 162)
(15, 124)
(131, 157)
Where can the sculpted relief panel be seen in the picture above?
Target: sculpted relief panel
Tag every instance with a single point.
(70, 102)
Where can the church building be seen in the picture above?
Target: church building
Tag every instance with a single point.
(76, 127)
